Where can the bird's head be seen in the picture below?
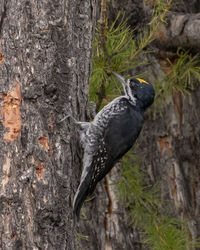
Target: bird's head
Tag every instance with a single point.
(138, 90)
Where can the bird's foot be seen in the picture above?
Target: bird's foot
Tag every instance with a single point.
(67, 116)
(81, 125)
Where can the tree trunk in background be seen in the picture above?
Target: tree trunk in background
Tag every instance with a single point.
(169, 147)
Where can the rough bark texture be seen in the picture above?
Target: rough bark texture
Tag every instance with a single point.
(45, 64)
(182, 30)
(169, 147)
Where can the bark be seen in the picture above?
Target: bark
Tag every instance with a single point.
(134, 10)
(181, 30)
(45, 65)
(170, 152)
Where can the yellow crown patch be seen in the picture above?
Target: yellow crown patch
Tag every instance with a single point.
(141, 81)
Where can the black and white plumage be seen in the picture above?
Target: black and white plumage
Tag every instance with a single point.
(111, 134)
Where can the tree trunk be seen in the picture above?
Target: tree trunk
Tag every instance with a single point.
(182, 30)
(169, 147)
(45, 65)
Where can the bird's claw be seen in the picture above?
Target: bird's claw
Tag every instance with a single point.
(67, 116)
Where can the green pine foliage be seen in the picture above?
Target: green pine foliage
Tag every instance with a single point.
(167, 234)
(119, 51)
(116, 49)
(131, 188)
(120, 46)
(183, 76)
(159, 232)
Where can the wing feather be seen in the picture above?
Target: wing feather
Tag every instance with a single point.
(122, 132)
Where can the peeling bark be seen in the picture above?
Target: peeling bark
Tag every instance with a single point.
(119, 233)
(11, 113)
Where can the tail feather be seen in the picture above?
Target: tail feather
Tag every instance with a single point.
(79, 199)
(81, 195)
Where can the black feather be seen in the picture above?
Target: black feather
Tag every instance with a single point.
(81, 195)
(112, 133)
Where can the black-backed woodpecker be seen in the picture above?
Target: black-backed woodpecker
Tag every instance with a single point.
(111, 134)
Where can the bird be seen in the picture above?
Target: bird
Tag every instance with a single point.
(111, 134)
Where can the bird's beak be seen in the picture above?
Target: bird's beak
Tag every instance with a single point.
(120, 78)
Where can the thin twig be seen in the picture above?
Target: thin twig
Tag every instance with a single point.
(102, 94)
(102, 23)
(160, 236)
